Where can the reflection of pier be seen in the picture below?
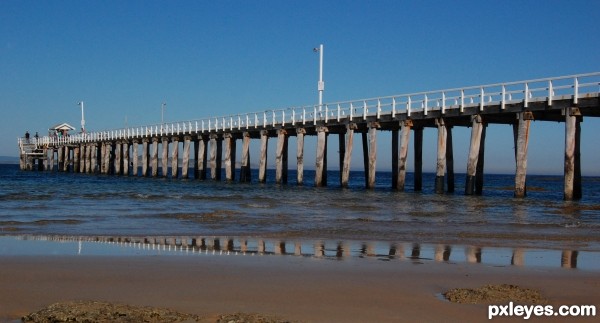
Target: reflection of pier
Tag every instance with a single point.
(319, 249)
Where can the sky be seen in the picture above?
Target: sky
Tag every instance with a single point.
(213, 58)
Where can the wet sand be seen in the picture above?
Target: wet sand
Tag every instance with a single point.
(304, 289)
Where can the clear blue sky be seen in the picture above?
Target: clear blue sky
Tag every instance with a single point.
(206, 58)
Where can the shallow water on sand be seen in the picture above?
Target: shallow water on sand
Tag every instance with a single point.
(42, 203)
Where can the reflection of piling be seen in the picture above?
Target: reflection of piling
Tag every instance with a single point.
(473, 254)
(442, 253)
(319, 249)
(518, 257)
(569, 259)
(416, 251)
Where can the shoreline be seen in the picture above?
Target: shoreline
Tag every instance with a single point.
(305, 289)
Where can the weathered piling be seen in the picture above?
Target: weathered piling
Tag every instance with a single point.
(521, 144)
(281, 156)
(476, 128)
(572, 174)
(372, 154)
(135, 161)
(125, 146)
(403, 153)
(418, 160)
(186, 156)
(300, 132)
(321, 163)
(348, 154)
(449, 160)
(154, 158)
(175, 157)
(441, 155)
(165, 157)
(145, 155)
(201, 157)
(262, 164)
(245, 162)
(230, 147)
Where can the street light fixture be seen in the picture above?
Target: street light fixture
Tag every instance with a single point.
(82, 117)
(321, 84)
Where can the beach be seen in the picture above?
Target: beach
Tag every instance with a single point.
(303, 289)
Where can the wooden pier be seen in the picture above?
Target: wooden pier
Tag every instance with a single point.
(565, 99)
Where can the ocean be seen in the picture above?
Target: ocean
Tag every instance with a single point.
(43, 205)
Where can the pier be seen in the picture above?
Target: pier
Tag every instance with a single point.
(135, 151)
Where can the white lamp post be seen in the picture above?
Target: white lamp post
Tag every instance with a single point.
(321, 84)
(82, 117)
(162, 113)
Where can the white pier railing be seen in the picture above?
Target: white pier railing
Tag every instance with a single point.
(538, 90)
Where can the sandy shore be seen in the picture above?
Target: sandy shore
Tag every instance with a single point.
(302, 289)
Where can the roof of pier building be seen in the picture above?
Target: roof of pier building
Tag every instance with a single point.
(62, 126)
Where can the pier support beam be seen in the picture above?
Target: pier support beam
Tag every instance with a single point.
(125, 145)
(101, 163)
(175, 157)
(229, 156)
(300, 132)
(449, 160)
(145, 155)
(51, 159)
(521, 145)
(476, 128)
(60, 157)
(572, 188)
(321, 164)
(94, 158)
(136, 159)
(480, 163)
(216, 151)
(262, 164)
(418, 148)
(186, 156)
(117, 161)
(281, 157)
(403, 153)
(441, 155)
(245, 164)
(82, 157)
(201, 156)
(88, 158)
(342, 153)
(165, 157)
(371, 155)
(347, 154)
(154, 157)
(76, 159)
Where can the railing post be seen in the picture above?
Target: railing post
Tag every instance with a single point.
(364, 110)
(481, 99)
(502, 102)
(576, 91)
(462, 100)
(550, 93)
(443, 102)
(526, 99)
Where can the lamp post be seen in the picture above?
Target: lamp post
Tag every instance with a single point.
(321, 84)
(82, 117)
(162, 113)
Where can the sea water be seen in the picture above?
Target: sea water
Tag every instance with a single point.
(66, 204)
